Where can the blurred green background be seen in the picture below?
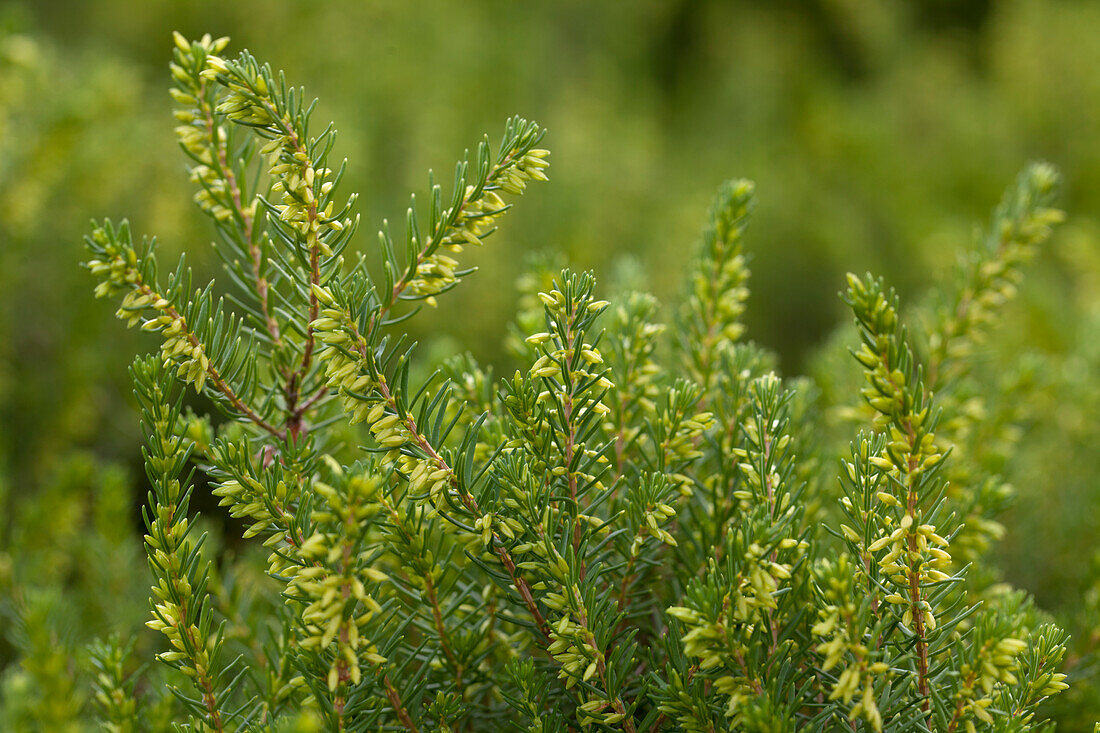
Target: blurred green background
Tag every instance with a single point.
(879, 135)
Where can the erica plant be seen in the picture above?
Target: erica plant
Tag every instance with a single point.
(641, 529)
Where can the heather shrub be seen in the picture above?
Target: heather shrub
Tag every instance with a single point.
(643, 528)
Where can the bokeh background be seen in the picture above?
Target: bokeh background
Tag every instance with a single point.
(879, 134)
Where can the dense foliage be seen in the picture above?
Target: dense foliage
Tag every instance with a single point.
(624, 534)
(876, 133)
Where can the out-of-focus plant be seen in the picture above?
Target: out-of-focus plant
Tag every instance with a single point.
(70, 568)
(616, 537)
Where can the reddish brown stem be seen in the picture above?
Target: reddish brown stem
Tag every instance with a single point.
(246, 216)
(520, 584)
(398, 706)
(211, 371)
(296, 380)
(601, 667)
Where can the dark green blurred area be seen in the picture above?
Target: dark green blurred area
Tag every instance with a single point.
(879, 135)
(877, 132)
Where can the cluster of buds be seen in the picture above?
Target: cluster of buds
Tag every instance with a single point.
(199, 133)
(475, 219)
(711, 630)
(480, 209)
(716, 641)
(331, 574)
(531, 166)
(247, 496)
(569, 369)
(114, 260)
(343, 355)
(571, 381)
(180, 602)
(434, 274)
(995, 664)
(712, 314)
(490, 526)
(841, 641)
(474, 215)
(117, 263)
(573, 645)
(174, 591)
(916, 555)
(179, 346)
(649, 509)
(724, 609)
(348, 373)
(303, 184)
(653, 516)
(912, 551)
(299, 186)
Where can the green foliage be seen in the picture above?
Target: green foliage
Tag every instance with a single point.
(617, 537)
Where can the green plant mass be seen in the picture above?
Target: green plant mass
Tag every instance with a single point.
(643, 528)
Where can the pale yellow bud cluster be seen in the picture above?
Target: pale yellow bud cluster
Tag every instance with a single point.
(179, 347)
(1049, 683)
(653, 517)
(912, 550)
(118, 267)
(299, 185)
(479, 209)
(248, 498)
(916, 554)
(717, 642)
(180, 578)
(530, 167)
(470, 222)
(213, 190)
(302, 185)
(751, 592)
(886, 392)
(573, 645)
(343, 354)
(115, 264)
(434, 274)
(347, 372)
(198, 133)
(994, 664)
(723, 293)
(842, 642)
(475, 219)
(173, 590)
(572, 376)
(334, 576)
